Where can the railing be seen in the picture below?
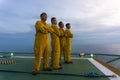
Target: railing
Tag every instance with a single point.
(111, 59)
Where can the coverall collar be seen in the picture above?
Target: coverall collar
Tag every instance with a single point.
(43, 22)
(54, 25)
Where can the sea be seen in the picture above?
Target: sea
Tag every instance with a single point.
(26, 46)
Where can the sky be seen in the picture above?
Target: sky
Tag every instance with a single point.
(92, 21)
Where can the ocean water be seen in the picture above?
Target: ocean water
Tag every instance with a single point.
(97, 48)
(25, 42)
(25, 45)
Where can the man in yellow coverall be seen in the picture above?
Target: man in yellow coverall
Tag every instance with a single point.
(69, 37)
(41, 44)
(55, 42)
(62, 41)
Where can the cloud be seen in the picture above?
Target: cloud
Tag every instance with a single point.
(93, 18)
(15, 20)
(92, 22)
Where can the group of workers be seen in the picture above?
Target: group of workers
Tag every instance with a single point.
(61, 41)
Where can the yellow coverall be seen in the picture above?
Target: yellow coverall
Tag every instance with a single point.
(69, 37)
(55, 42)
(41, 45)
(62, 44)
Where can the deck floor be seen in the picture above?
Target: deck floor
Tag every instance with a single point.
(22, 69)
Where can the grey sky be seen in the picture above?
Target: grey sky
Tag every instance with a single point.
(92, 21)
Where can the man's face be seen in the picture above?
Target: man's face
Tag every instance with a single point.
(54, 21)
(68, 26)
(44, 17)
(61, 25)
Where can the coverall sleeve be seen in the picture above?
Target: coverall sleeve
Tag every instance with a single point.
(40, 28)
(69, 34)
(61, 33)
(51, 30)
(56, 31)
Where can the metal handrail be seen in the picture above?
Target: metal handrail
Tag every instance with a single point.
(115, 59)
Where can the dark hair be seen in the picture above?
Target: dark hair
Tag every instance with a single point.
(53, 18)
(42, 14)
(67, 24)
(60, 23)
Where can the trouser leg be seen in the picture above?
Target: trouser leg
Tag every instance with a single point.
(46, 56)
(37, 60)
(55, 59)
(65, 53)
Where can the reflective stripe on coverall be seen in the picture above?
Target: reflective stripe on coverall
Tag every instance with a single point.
(41, 45)
(55, 42)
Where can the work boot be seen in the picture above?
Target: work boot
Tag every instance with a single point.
(70, 62)
(65, 62)
(47, 69)
(58, 68)
(34, 72)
